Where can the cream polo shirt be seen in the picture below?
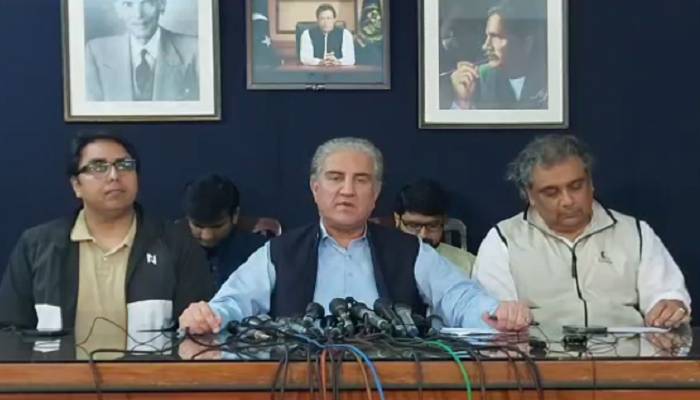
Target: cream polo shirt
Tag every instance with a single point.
(101, 288)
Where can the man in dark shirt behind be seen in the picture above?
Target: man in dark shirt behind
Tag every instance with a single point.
(211, 205)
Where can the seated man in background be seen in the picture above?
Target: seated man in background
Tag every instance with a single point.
(326, 44)
(108, 261)
(572, 260)
(421, 209)
(342, 255)
(211, 205)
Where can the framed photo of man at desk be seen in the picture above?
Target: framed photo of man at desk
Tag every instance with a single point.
(318, 44)
(141, 60)
(493, 64)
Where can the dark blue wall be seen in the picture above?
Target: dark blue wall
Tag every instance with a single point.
(633, 94)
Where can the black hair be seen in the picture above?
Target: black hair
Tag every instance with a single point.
(520, 17)
(207, 197)
(82, 139)
(325, 7)
(424, 196)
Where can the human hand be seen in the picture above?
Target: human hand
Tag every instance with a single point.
(509, 316)
(667, 314)
(464, 82)
(200, 319)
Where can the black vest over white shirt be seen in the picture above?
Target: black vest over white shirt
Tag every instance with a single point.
(334, 44)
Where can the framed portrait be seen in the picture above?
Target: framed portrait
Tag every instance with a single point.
(141, 60)
(493, 64)
(318, 44)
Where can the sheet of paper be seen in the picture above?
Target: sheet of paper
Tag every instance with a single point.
(467, 331)
(636, 329)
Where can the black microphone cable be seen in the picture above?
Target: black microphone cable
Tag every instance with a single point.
(531, 364)
(283, 365)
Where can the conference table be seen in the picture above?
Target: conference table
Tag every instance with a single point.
(532, 365)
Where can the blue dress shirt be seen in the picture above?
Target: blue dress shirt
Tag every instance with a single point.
(460, 302)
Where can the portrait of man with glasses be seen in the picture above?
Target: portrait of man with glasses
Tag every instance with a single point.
(110, 268)
(421, 210)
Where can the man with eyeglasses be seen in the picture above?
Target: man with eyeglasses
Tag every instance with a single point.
(421, 210)
(110, 268)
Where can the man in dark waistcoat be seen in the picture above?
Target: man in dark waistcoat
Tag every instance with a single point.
(326, 44)
(343, 255)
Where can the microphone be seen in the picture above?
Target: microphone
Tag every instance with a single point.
(312, 319)
(247, 332)
(289, 326)
(404, 312)
(256, 320)
(330, 327)
(362, 313)
(383, 309)
(339, 308)
(421, 324)
(313, 312)
(436, 325)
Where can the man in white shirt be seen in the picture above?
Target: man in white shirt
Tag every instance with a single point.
(326, 44)
(572, 260)
(147, 63)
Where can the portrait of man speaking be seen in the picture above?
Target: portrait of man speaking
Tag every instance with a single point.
(143, 60)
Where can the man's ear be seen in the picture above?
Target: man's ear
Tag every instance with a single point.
(75, 184)
(313, 185)
(530, 198)
(236, 214)
(378, 191)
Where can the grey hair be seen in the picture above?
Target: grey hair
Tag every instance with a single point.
(546, 151)
(347, 143)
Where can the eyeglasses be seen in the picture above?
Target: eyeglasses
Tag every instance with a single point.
(415, 227)
(101, 168)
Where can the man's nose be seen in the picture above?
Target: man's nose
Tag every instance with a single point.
(348, 187)
(141, 10)
(566, 198)
(112, 173)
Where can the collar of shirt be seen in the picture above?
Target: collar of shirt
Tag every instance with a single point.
(599, 220)
(517, 85)
(327, 238)
(152, 47)
(81, 233)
